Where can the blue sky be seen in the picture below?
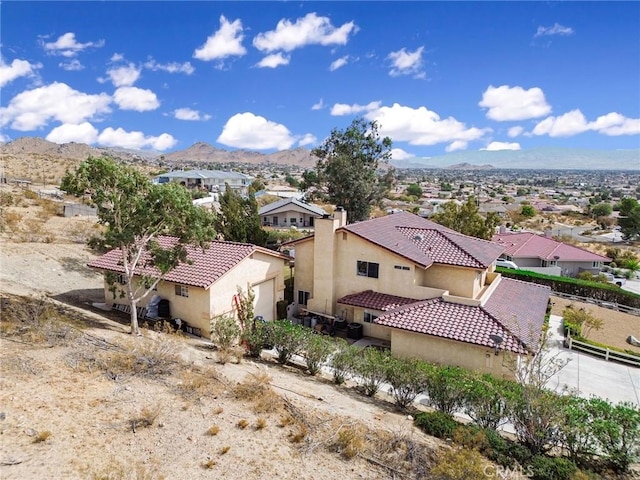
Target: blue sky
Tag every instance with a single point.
(437, 76)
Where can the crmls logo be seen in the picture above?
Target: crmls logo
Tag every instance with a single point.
(515, 473)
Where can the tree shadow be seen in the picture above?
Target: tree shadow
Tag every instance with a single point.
(70, 264)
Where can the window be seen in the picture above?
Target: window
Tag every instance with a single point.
(182, 290)
(368, 269)
(596, 264)
(293, 220)
(266, 219)
(303, 297)
(401, 267)
(369, 317)
(120, 278)
(275, 220)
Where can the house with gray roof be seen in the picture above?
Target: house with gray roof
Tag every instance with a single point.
(290, 212)
(210, 180)
(426, 290)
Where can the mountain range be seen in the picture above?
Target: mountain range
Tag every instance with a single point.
(202, 153)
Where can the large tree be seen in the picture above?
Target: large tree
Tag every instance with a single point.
(135, 213)
(629, 218)
(466, 219)
(348, 169)
(238, 219)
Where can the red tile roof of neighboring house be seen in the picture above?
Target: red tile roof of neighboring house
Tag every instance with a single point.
(204, 268)
(515, 312)
(425, 242)
(531, 245)
(375, 301)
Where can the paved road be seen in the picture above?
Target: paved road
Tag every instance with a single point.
(591, 375)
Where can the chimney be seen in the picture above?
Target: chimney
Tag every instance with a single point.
(341, 215)
(547, 233)
(502, 230)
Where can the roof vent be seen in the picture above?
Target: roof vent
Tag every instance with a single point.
(418, 237)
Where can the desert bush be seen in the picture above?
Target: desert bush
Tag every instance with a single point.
(30, 195)
(196, 382)
(370, 367)
(575, 432)
(459, 464)
(242, 424)
(10, 221)
(437, 424)
(484, 400)
(552, 468)
(446, 386)
(213, 430)
(225, 333)
(342, 360)
(287, 339)
(116, 469)
(146, 417)
(255, 339)
(208, 464)
(317, 349)
(225, 449)
(408, 379)
(261, 423)
(142, 357)
(350, 441)
(42, 436)
(253, 386)
(616, 429)
(472, 437)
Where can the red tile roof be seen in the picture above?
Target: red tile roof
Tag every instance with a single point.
(375, 301)
(515, 312)
(205, 267)
(425, 242)
(531, 245)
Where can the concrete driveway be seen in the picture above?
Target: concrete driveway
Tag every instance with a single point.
(590, 375)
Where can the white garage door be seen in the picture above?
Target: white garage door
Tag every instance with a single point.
(265, 303)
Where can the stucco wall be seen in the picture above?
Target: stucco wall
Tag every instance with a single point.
(449, 352)
(304, 267)
(462, 282)
(356, 315)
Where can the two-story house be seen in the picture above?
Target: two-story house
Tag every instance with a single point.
(210, 180)
(429, 291)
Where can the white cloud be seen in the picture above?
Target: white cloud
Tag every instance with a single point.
(172, 67)
(318, 106)
(124, 76)
(72, 66)
(307, 139)
(67, 132)
(33, 109)
(555, 29)
(399, 154)
(274, 60)
(514, 103)
(308, 30)
(189, 114)
(407, 63)
(117, 57)
(340, 62)
(420, 126)
(111, 137)
(246, 130)
(68, 46)
(495, 146)
(17, 68)
(134, 98)
(515, 131)
(340, 109)
(226, 42)
(457, 145)
(4, 138)
(574, 123)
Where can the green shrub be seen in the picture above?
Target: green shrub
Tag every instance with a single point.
(552, 468)
(255, 339)
(436, 424)
(342, 360)
(287, 339)
(370, 366)
(225, 331)
(408, 379)
(459, 464)
(484, 400)
(446, 386)
(317, 349)
(504, 451)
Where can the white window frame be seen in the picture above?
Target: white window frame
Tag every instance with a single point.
(181, 290)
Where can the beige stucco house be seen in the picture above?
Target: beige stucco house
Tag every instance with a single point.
(205, 288)
(429, 291)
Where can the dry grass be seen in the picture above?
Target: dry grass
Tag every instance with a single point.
(256, 388)
(242, 424)
(225, 449)
(196, 382)
(42, 436)
(260, 424)
(351, 441)
(209, 464)
(141, 357)
(213, 430)
(146, 418)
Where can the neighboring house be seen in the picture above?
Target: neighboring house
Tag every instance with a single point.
(429, 291)
(205, 288)
(210, 180)
(290, 212)
(541, 253)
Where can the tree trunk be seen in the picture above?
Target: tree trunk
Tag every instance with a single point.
(134, 317)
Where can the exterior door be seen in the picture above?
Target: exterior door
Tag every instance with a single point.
(265, 301)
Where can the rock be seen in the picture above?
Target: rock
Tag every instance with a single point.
(633, 341)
